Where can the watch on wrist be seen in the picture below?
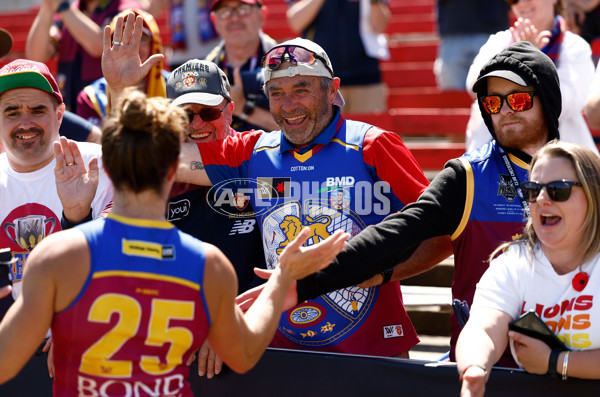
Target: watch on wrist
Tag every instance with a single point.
(63, 6)
(387, 275)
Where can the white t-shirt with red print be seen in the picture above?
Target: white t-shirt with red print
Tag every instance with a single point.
(30, 208)
(516, 283)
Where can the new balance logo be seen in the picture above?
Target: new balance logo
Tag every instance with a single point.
(242, 226)
(393, 331)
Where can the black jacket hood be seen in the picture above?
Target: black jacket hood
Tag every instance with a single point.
(537, 69)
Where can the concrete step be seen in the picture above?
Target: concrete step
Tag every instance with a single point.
(439, 276)
(428, 299)
(429, 309)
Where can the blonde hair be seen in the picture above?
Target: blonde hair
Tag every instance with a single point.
(587, 168)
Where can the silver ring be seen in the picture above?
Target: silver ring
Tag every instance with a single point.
(116, 42)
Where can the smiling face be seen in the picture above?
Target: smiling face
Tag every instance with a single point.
(208, 131)
(539, 12)
(29, 126)
(527, 130)
(301, 106)
(558, 225)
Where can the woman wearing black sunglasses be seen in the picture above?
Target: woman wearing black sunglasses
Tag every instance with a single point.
(551, 269)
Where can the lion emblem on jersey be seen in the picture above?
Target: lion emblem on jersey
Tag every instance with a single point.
(292, 226)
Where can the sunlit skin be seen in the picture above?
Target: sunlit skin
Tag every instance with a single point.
(208, 131)
(539, 12)
(527, 130)
(558, 225)
(238, 29)
(145, 47)
(300, 107)
(29, 126)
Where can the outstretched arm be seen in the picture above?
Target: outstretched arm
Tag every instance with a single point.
(240, 339)
(392, 241)
(480, 345)
(429, 253)
(29, 318)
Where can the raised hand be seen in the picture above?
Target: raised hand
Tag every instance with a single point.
(121, 63)
(76, 185)
(524, 30)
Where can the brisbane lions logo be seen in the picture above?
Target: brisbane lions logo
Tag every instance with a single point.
(292, 226)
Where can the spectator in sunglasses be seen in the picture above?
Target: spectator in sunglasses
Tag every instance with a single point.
(291, 176)
(302, 173)
(474, 200)
(551, 270)
(146, 294)
(541, 23)
(203, 91)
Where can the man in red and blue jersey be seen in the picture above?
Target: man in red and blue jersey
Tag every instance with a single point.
(328, 173)
(319, 171)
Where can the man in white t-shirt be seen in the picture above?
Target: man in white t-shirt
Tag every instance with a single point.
(41, 194)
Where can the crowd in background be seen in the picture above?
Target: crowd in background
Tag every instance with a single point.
(250, 105)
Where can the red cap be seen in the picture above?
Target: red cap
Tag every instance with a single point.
(216, 2)
(23, 73)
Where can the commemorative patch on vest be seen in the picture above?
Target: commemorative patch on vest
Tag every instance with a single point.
(330, 318)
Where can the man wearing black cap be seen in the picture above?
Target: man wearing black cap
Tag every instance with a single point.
(320, 171)
(202, 89)
(324, 172)
(476, 199)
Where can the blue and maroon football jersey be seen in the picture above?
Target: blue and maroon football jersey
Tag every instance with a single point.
(139, 316)
(352, 175)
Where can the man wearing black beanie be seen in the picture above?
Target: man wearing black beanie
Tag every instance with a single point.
(474, 200)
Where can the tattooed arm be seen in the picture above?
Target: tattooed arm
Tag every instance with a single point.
(191, 169)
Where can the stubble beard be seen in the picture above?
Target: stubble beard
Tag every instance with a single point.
(318, 120)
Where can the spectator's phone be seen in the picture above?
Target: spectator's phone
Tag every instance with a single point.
(531, 324)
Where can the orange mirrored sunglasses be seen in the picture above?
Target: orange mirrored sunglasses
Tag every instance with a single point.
(517, 101)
